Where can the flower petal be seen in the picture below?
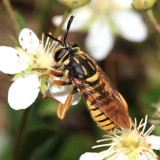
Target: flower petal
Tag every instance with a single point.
(80, 20)
(12, 61)
(61, 93)
(130, 25)
(28, 40)
(23, 92)
(123, 4)
(93, 156)
(99, 41)
(154, 141)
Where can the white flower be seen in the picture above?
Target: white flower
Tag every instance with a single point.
(103, 19)
(22, 62)
(128, 144)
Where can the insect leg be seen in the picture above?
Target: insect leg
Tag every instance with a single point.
(58, 82)
(61, 111)
(55, 73)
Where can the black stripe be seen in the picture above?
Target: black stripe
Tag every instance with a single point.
(108, 124)
(100, 114)
(93, 83)
(103, 120)
(97, 89)
(94, 109)
(108, 100)
(102, 96)
(112, 129)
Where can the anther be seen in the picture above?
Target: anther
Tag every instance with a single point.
(143, 150)
(25, 49)
(50, 33)
(43, 34)
(30, 33)
(59, 37)
(40, 42)
(21, 39)
(39, 87)
(140, 153)
(149, 145)
(17, 55)
(35, 56)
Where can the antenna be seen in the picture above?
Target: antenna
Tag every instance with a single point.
(68, 27)
(48, 35)
(66, 33)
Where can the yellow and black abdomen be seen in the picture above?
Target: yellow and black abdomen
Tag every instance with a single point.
(84, 71)
(100, 104)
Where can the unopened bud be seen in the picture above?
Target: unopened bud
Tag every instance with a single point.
(143, 4)
(74, 3)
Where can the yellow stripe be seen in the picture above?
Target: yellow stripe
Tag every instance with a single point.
(93, 78)
(91, 65)
(82, 56)
(84, 70)
(77, 61)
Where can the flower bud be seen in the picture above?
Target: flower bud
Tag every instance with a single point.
(74, 3)
(143, 4)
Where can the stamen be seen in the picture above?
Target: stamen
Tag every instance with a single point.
(143, 150)
(40, 41)
(102, 145)
(149, 130)
(30, 33)
(25, 49)
(17, 55)
(145, 123)
(140, 153)
(43, 34)
(149, 145)
(35, 56)
(39, 87)
(50, 33)
(22, 39)
(102, 140)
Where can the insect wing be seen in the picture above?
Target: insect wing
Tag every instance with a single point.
(121, 116)
(114, 108)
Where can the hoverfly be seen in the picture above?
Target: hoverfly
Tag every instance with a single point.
(107, 106)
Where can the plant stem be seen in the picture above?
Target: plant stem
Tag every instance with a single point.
(19, 134)
(11, 13)
(153, 19)
(65, 16)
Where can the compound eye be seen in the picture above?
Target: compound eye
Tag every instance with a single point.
(59, 54)
(72, 44)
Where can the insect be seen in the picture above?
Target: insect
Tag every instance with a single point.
(107, 106)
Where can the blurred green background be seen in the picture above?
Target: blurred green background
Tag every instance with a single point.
(134, 68)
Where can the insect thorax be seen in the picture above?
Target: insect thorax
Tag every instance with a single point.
(80, 66)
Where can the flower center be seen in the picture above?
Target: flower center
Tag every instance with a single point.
(130, 140)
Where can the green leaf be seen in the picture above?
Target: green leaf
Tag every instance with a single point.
(21, 21)
(48, 107)
(34, 139)
(74, 147)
